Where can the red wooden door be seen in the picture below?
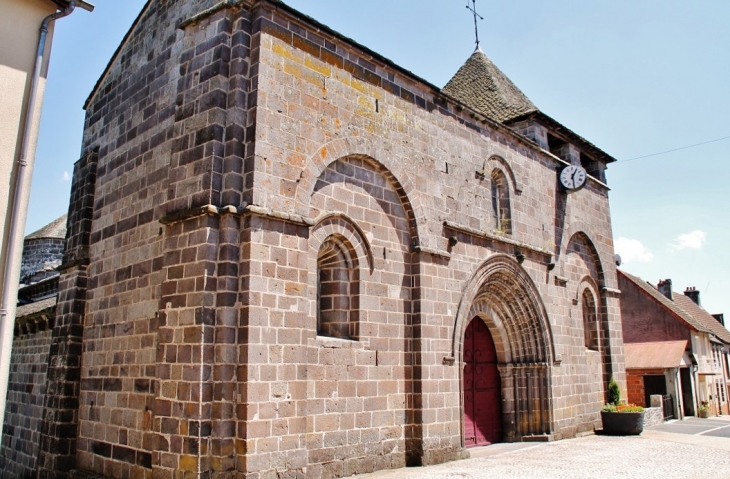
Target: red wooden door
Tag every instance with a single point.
(482, 387)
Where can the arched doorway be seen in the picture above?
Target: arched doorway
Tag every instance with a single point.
(482, 387)
(502, 296)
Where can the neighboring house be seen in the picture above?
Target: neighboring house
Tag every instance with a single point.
(673, 347)
(26, 32)
(288, 256)
(35, 317)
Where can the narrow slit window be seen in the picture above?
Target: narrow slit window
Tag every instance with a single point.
(336, 291)
(501, 213)
(590, 320)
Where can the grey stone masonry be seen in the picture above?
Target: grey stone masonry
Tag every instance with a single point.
(24, 407)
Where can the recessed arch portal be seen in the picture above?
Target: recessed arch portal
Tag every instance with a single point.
(502, 295)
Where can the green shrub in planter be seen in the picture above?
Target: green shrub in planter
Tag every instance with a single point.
(614, 393)
(621, 419)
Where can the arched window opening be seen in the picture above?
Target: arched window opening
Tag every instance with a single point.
(336, 291)
(590, 320)
(501, 215)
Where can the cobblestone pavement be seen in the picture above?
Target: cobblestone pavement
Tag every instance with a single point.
(654, 454)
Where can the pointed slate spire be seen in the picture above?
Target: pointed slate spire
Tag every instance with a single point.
(480, 85)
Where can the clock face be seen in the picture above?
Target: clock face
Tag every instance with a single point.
(573, 177)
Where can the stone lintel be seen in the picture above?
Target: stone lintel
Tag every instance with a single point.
(496, 238)
(279, 215)
(212, 210)
(185, 215)
(611, 292)
(80, 263)
(432, 252)
(225, 4)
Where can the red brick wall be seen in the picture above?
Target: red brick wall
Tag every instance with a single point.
(644, 319)
(635, 385)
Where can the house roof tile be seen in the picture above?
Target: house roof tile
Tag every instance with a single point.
(655, 355)
(705, 319)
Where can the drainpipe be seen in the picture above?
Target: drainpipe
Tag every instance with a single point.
(17, 223)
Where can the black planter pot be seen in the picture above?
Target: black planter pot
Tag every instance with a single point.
(622, 423)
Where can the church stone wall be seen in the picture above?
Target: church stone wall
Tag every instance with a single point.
(24, 406)
(326, 102)
(231, 145)
(156, 304)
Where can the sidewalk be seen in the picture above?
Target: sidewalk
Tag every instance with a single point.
(654, 454)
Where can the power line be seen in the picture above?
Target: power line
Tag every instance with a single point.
(676, 149)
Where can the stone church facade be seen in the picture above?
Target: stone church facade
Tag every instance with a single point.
(289, 257)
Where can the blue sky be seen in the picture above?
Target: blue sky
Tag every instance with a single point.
(635, 77)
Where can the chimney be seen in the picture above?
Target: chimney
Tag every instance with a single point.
(665, 287)
(693, 294)
(720, 318)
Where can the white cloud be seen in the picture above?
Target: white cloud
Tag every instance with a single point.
(632, 250)
(694, 240)
(65, 177)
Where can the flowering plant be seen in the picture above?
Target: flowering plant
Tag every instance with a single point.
(622, 408)
(614, 400)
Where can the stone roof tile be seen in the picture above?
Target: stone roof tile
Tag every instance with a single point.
(35, 308)
(480, 85)
(55, 229)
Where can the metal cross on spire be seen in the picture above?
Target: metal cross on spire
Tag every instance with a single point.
(473, 9)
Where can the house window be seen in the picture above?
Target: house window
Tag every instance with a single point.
(336, 290)
(590, 320)
(501, 215)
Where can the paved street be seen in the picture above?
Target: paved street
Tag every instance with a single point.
(691, 449)
(716, 427)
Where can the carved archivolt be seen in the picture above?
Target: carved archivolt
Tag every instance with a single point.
(503, 296)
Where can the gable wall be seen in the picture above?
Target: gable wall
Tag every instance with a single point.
(644, 320)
